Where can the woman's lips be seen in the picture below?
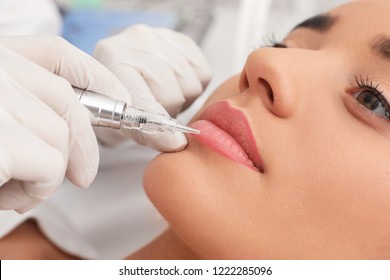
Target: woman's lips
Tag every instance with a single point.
(226, 130)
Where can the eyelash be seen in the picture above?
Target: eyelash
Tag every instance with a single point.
(367, 84)
(270, 42)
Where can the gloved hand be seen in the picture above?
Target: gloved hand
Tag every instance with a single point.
(45, 131)
(163, 71)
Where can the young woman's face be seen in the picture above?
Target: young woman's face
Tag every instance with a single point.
(300, 164)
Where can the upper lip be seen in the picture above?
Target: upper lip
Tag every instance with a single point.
(234, 122)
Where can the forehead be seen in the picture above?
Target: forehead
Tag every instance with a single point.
(367, 18)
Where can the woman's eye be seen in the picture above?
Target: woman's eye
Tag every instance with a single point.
(374, 101)
(271, 42)
(279, 45)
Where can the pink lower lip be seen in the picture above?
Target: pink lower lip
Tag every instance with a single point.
(221, 142)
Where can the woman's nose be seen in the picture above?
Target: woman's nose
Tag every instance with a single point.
(273, 75)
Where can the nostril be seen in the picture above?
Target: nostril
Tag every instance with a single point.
(268, 89)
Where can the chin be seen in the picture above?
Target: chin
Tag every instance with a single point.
(176, 181)
(175, 184)
(194, 190)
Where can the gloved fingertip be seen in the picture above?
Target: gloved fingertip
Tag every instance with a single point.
(85, 178)
(82, 177)
(83, 161)
(172, 142)
(90, 176)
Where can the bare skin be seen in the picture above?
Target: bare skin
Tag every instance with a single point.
(165, 247)
(27, 242)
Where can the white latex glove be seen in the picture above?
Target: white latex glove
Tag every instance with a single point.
(163, 71)
(45, 131)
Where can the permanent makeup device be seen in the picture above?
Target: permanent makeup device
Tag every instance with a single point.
(108, 112)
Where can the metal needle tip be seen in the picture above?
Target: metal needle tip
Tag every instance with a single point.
(186, 129)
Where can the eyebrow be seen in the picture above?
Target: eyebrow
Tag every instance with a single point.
(380, 44)
(320, 23)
